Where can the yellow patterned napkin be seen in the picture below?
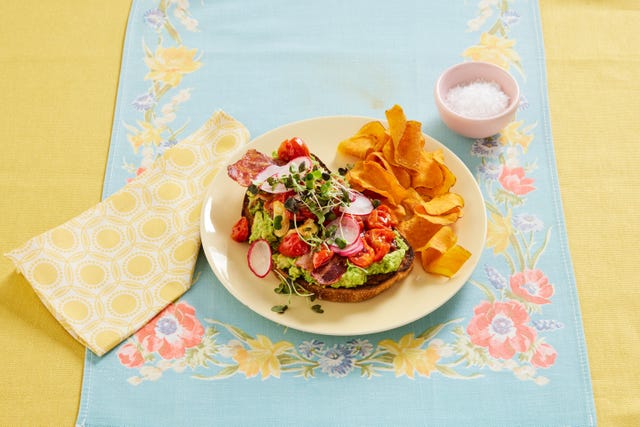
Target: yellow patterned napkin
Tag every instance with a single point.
(107, 272)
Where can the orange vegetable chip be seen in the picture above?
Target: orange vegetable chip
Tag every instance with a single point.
(443, 204)
(408, 150)
(397, 122)
(418, 230)
(371, 176)
(428, 173)
(449, 179)
(450, 262)
(367, 139)
(403, 176)
(441, 242)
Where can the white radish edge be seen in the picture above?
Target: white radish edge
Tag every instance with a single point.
(278, 172)
(359, 204)
(351, 249)
(347, 228)
(259, 258)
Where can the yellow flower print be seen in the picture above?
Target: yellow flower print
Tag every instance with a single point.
(499, 232)
(168, 65)
(494, 49)
(515, 136)
(147, 133)
(410, 357)
(262, 357)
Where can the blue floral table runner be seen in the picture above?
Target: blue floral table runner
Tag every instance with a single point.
(508, 349)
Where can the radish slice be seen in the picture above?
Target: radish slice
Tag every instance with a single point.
(259, 257)
(298, 161)
(349, 250)
(272, 171)
(359, 204)
(278, 172)
(347, 229)
(267, 172)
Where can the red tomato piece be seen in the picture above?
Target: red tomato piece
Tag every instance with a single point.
(293, 246)
(365, 257)
(380, 240)
(381, 217)
(321, 256)
(240, 230)
(291, 148)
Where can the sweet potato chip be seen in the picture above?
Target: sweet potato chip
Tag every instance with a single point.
(418, 230)
(450, 262)
(403, 176)
(428, 174)
(441, 242)
(448, 181)
(371, 176)
(407, 151)
(397, 122)
(443, 204)
(367, 139)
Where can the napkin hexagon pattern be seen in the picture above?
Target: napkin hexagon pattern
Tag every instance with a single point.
(108, 271)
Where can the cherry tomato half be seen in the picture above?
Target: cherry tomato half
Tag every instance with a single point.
(381, 217)
(293, 246)
(291, 148)
(380, 240)
(321, 256)
(365, 257)
(240, 230)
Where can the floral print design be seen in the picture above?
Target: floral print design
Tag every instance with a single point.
(506, 331)
(168, 61)
(229, 351)
(170, 334)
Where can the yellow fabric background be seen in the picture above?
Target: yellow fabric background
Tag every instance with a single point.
(59, 65)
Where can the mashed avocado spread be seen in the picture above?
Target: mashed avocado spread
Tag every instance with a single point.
(262, 227)
(354, 276)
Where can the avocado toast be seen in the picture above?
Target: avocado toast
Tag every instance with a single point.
(316, 231)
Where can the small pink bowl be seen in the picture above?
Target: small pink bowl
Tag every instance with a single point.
(468, 72)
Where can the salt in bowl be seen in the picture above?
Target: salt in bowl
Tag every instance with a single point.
(465, 74)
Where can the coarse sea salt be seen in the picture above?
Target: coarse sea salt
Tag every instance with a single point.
(478, 99)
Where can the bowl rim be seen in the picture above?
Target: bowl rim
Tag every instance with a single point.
(513, 104)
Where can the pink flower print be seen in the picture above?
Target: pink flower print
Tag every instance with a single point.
(532, 286)
(501, 328)
(172, 331)
(544, 356)
(130, 356)
(515, 181)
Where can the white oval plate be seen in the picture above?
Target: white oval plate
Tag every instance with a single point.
(413, 298)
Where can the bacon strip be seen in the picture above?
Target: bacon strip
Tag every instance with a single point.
(330, 272)
(248, 167)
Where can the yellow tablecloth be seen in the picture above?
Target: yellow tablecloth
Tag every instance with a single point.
(59, 65)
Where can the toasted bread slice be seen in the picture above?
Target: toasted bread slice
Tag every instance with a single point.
(376, 284)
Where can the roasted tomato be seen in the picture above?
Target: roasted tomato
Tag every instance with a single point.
(365, 257)
(293, 246)
(380, 240)
(291, 148)
(381, 217)
(321, 256)
(240, 230)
